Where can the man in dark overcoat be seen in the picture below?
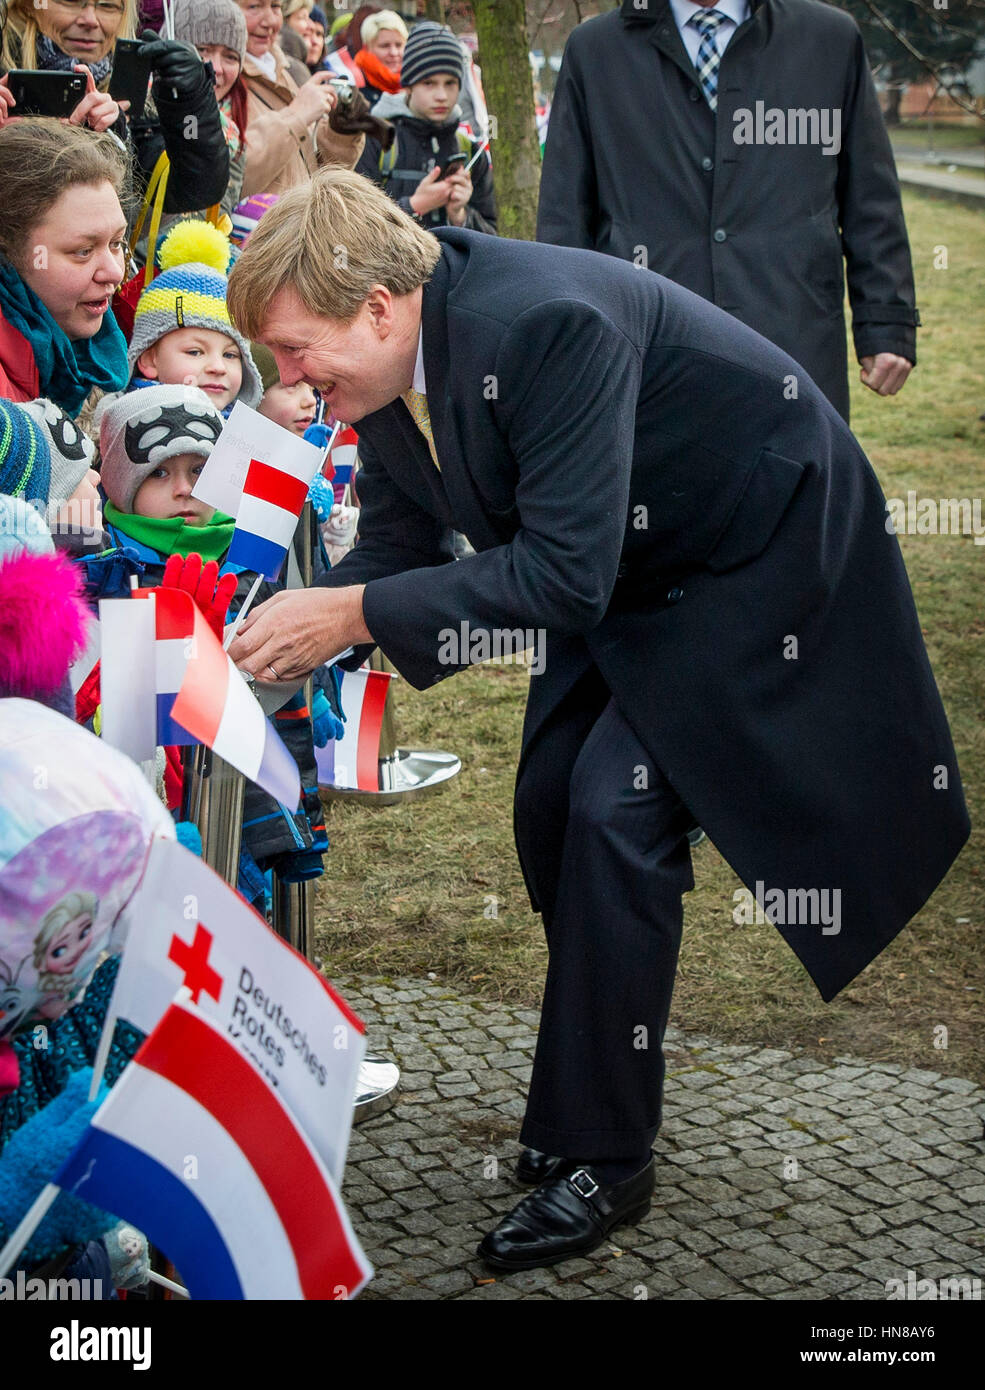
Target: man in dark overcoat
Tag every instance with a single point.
(722, 620)
(753, 177)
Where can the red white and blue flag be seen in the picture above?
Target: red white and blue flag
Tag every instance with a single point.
(343, 460)
(259, 473)
(174, 636)
(257, 1215)
(353, 761)
(217, 707)
(267, 517)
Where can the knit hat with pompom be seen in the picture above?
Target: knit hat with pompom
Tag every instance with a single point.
(190, 292)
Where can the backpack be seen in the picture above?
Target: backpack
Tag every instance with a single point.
(388, 160)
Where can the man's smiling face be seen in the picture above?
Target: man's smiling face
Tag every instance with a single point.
(358, 367)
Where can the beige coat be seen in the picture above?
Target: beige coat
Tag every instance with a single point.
(281, 150)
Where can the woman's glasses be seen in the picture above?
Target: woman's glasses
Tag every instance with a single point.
(104, 9)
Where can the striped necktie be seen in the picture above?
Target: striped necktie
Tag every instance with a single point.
(417, 403)
(708, 57)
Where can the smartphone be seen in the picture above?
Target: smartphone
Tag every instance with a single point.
(452, 165)
(130, 76)
(45, 93)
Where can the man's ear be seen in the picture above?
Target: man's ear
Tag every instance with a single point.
(147, 363)
(380, 306)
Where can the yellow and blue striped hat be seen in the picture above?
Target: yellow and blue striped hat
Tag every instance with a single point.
(190, 292)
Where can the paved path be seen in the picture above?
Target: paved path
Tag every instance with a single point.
(938, 183)
(778, 1176)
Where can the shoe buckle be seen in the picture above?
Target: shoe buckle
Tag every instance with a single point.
(583, 1183)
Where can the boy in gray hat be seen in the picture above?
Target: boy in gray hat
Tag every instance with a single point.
(426, 117)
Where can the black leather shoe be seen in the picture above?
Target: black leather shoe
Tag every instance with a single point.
(533, 1167)
(566, 1216)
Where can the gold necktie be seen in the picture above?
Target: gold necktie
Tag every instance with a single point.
(417, 403)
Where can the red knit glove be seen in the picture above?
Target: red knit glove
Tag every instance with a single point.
(212, 598)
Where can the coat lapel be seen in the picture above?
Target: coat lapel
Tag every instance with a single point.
(458, 459)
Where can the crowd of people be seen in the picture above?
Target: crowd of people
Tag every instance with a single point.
(119, 365)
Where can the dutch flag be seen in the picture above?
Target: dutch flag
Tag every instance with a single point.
(216, 706)
(267, 517)
(262, 1218)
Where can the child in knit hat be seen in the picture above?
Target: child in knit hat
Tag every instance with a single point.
(426, 117)
(153, 445)
(182, 333)
(291, 407)
(46, 460)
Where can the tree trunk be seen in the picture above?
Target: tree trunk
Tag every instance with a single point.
(501, 28)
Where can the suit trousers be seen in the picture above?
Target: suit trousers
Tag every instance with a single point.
(602, 839)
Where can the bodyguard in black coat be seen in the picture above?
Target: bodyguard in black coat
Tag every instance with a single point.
(732, 203)
(726, 632)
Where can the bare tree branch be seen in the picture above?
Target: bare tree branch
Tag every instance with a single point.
(936, 70)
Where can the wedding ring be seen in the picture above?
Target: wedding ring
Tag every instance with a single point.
(270, 668)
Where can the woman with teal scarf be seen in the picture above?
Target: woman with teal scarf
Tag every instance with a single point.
(62, 257)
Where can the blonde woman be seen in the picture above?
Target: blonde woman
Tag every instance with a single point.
(68, 35)
(384, 36)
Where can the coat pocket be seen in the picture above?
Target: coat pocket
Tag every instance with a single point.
(769, 490)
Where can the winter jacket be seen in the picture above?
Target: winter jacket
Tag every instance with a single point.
(419, 146)
(199, 171)
(638, 166)
(281, 150)
(18, 369)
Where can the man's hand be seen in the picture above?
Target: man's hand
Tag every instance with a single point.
(460, 184)
(885, 373)
(292, 633)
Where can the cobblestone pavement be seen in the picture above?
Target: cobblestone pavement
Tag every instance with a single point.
(778, 1177)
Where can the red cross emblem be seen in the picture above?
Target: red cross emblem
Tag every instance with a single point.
(194, 961)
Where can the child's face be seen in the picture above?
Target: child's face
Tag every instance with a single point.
(69, 946)
(200, 357)
(290, 406)
(167, 493)
(434, 98)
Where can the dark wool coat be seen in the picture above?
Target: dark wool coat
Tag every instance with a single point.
(637, 165)
(625, 460)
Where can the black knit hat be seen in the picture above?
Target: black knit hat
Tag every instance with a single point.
(431, 49)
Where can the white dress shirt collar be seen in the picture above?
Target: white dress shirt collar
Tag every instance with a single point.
(419, 382)
(737, 11)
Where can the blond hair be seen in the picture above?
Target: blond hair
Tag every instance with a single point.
(20, 32)
(386, 19)
(330, 241)
(39, 159)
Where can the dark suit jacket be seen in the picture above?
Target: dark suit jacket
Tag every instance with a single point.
(636, 163)
(627, 462)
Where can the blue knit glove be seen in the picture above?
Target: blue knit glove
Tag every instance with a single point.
(33, 1155)
(322, 496)
(324, 724)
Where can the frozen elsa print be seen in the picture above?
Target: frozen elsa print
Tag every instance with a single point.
(65, 939)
